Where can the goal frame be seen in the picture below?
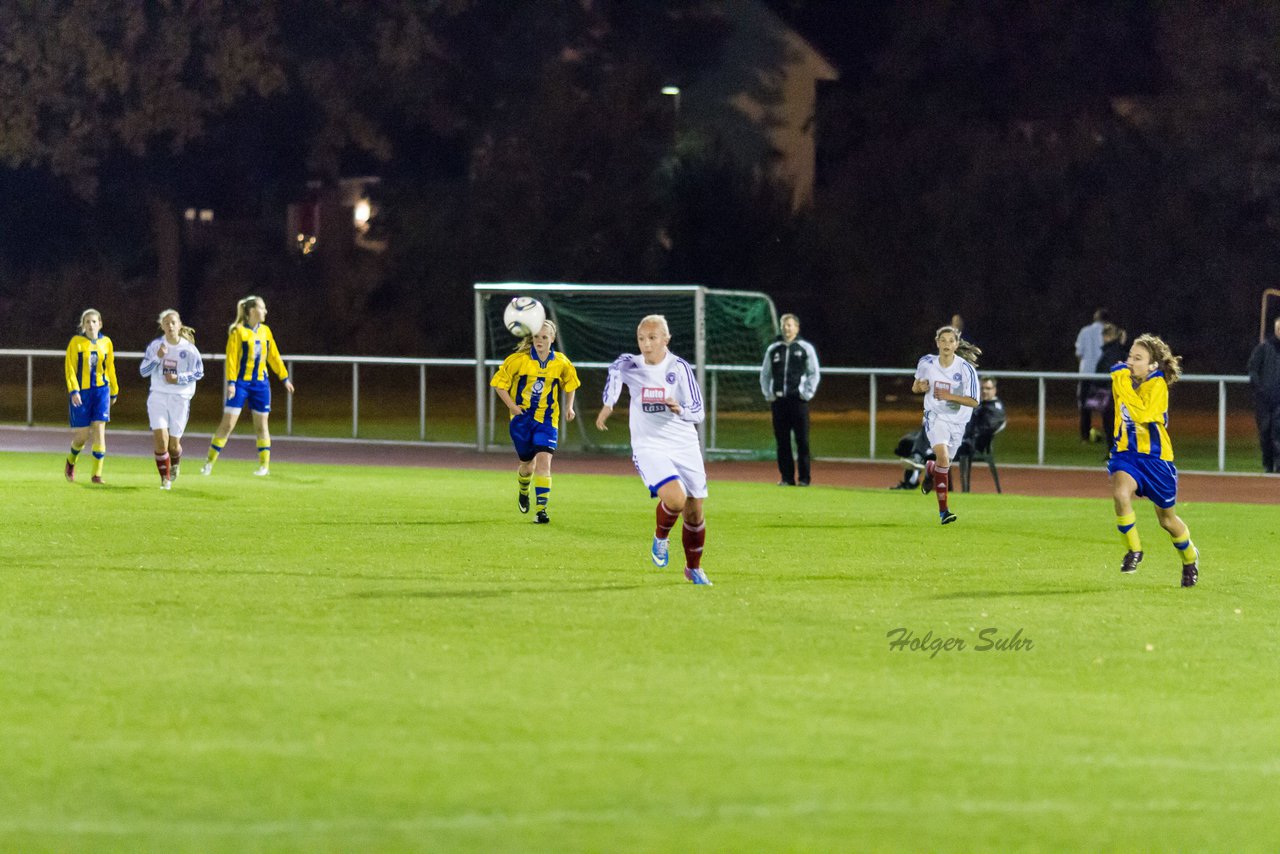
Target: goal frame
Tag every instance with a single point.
(485, 290)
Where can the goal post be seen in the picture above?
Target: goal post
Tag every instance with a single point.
(710, 327)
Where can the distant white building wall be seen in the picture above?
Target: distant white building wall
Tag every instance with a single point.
(762, 98)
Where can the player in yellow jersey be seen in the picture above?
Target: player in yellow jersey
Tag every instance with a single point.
(251, 350)
(530, 382)
(92, 386)
(1141, 461)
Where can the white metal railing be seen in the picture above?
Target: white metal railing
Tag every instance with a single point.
(713, 373)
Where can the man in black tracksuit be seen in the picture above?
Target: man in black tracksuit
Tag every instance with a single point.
(1264, 376)
(788, 379)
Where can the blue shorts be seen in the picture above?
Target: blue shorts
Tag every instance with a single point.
(257, 392)
(1157, 479)
(529, 437)
(95, 405)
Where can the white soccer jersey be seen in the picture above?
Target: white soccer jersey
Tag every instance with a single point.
(653, 425)
(961, 378)
(181, 360)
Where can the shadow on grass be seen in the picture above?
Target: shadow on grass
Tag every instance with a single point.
(485, 594)
(994, 594)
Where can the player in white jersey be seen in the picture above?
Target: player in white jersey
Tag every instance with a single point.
(949, 383)
(175, 366)
(666, 407)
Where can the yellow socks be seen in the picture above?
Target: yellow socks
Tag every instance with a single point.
(75, 453)
(1186, 549)
(99, 457)
(264, 456)
(541, 491)
(1128, 527)
(215, 448)
(523, 481)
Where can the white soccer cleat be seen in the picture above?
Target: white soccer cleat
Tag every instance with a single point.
(165, 484)
(262, 471)
(206, 469)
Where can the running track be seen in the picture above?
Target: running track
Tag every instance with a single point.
(1015, 480)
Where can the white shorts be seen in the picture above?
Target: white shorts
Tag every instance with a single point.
(940, 432)
(169, 412)
(684, 464)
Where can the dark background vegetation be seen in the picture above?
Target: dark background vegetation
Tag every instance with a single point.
(1020, 163)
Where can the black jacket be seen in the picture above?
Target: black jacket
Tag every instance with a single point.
(1264, 371)
(789, 370)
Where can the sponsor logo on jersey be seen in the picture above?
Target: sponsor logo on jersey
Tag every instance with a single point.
(653, 399)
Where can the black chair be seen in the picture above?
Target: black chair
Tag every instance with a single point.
(981, 450)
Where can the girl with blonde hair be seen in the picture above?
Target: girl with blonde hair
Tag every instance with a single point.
(175, 366)
(529, 383)
(251, 350)
(92, 388)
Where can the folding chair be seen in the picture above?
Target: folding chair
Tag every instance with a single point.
(986, 454)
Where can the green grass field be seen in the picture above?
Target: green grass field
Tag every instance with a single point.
(341, 659)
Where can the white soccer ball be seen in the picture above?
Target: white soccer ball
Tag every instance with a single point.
(524, 316)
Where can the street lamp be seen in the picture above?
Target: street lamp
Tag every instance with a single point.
(674, 93)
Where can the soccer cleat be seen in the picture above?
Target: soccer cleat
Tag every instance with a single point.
(165, 484)
(697, 576)
(99, 480)
(541, 518)
(69, 472)
(659, 552)
(1190, 575)
(173, 472)
(522, 501)
(206, 469)
(786, 483)
(926, 482)
(261, 471)
(947, 517)
(1131, 561)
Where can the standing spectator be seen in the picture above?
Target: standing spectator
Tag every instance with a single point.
(1114, 351)
(1264, 376)
(666, 408)
(175, 366)
(789, 378)
(92, 387)
(251, 350)
(1088, 351)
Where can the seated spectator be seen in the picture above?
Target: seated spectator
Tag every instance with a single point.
(913, 448)
(988, 418)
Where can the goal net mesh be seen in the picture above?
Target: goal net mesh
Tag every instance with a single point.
(595, 326)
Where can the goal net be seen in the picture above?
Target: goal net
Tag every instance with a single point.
(722, 333)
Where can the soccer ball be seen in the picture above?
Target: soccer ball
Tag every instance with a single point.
(524, 316)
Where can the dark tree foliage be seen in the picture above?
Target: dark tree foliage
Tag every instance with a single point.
(1025, 163)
